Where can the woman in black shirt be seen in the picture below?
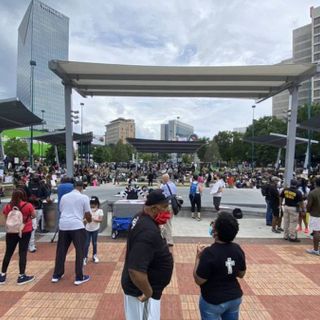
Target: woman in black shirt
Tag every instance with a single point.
(216, 270)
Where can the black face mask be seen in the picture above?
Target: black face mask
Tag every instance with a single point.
(36, 180)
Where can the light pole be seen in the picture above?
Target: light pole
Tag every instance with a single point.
(42, 113)
(252, 147)
(32, 64)
(81, 130)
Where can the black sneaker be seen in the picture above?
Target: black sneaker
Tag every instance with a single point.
(84, 279)
(295, 240)
(280, 229)
(23, 279)
(3, 278)
(275, 230)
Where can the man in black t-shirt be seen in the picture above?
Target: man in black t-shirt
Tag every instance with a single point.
(293, 204)
(216, 270)
(148, 263)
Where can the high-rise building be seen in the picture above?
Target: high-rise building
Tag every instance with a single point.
(305, 49)
(315, 16)
(176, 130)
(43, 35)
(120, 129)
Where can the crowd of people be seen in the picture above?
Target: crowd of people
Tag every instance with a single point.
(148, 261)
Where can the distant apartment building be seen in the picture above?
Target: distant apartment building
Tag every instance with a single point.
(120, 129)
(305, 49)
(43, 35)
(176, 130)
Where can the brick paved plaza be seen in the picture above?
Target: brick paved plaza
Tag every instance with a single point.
(282, 282)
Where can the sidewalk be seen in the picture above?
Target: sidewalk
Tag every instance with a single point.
(282, 282)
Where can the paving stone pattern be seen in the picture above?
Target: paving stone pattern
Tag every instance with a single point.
(282, 282)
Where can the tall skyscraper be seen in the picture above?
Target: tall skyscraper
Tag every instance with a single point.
(43, 35)
(305, 49)
(120, 129)
(176, 130)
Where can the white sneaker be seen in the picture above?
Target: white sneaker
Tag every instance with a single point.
(95, 259)
(85, 261)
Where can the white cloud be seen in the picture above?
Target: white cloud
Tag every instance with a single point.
(166, 32)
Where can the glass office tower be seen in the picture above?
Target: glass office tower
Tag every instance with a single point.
(43, 35)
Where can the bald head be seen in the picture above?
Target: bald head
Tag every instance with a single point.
(165, 178)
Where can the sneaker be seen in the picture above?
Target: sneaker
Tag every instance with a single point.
(280, 229)
(95, 259)
(193, 216)
(306, 230)
(33, 249)
(275, 230)
(294, 240)
(23, 279)
(56, 278)
(3, 278)
(312, 251)
(85, 261)
(299, 228)
(85, 278)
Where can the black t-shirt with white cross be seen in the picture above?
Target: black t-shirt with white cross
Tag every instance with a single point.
(219, 264)
(147, 252)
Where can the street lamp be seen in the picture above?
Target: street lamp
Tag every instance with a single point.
(32, 64)
(81, 130)
(252, 147)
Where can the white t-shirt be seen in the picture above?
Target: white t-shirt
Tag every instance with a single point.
(94, 226)
(73, 206)
(216, 186)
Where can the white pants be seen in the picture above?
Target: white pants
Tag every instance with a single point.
(136, 310)
(35, 222)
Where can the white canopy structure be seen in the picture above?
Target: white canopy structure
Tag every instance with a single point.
(249, 82)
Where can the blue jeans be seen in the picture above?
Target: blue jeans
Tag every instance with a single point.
(269, 213)
(94, 236)
(228, 310)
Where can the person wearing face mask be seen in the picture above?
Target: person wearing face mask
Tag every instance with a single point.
(216, 271)
(148, 262)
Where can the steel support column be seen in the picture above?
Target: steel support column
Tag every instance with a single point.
(277, 165)
(69, 133)
(291, 135)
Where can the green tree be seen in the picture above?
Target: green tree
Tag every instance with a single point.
(203, 149)
(16, 148)
(224, 142)
(120, 152)
(264, 155)
(101, 154)
(212, 153)
(51, 156)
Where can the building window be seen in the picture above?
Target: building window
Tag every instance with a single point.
(317, 48)
(317, 30)
(316, 39)
(317, 93)
(316, 57)
(316, 20)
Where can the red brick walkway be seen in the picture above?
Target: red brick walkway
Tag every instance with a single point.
(282, 282)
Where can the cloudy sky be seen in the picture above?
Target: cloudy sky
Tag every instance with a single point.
(165, 32)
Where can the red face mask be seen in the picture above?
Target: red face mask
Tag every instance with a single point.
(162, 217)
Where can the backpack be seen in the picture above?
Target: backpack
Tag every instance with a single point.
(193, 188)
(14, 222)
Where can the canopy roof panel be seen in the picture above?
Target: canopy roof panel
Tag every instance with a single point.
(14, 114)
(165, 146)
(59, 137)
(275, 140)
(311, 124)
(251, 82)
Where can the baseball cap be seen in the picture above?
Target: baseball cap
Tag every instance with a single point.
(156, 197)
